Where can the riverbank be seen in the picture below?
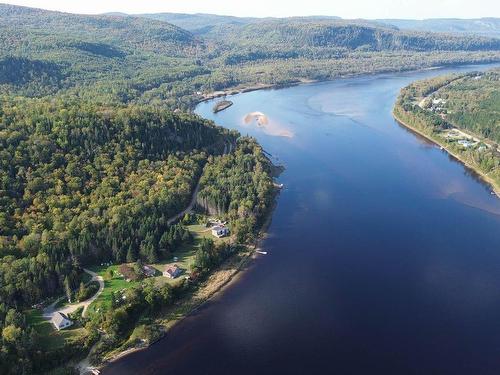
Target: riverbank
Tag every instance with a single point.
(316, 228)
(243, 88)
(223, 277)
(233, 91)
(492, 183)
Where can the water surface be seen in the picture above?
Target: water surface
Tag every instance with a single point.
(384, 252)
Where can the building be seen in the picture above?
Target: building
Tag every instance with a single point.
(61, 321)
(438, 101)
(128, 272)
(220, 231)
(172, 271)
(466, 143)
(149, 271)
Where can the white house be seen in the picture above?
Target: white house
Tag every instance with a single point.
(61, 321)
(438, 101)
(466, 143)
(220, 231)
(172, 271)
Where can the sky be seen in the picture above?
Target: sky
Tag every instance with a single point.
(411, 9)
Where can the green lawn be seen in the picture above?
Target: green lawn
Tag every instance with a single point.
(50, 338)
(116, 284)
(200, 231)
(185, 258)
(53, 339)
(185, 255)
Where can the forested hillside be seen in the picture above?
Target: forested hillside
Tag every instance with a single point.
(93, 183)
(488, 26)
(460, 112)
(81, 184)
(98, 151)
(111, 57)
(351, 35)
(117, 59)
(240, 186)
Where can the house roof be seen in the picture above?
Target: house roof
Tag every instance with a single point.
(58, 318)
(172, 269)
(127, 272)
(219, 227)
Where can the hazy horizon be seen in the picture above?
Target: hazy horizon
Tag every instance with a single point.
(395, 9)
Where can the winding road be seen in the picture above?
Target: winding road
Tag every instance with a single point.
(50, 310)
(188, 208)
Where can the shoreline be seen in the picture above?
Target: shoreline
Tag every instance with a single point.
(216, 283)
(485, 178)
(218, 287)
(268, 86)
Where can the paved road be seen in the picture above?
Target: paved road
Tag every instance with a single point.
(50, 310)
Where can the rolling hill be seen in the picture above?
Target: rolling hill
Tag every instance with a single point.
(118, 58)
(303, 32)
(97, 152)
(198, 23)
(481, 26)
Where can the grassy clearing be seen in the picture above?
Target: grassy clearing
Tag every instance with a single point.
(50, 338)
(111, 285)
(184, 255)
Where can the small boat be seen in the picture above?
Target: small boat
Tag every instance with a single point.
(261, 252)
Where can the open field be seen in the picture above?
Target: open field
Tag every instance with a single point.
(51, 339)
(111, 286)
(185, 255)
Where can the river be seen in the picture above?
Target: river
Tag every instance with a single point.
(383, 253)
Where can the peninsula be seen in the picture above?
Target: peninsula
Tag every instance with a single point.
(222, 105)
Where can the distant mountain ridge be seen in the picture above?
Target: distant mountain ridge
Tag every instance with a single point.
(200, 23)
(350, 34)
(125, 32)
(488, 26)
(122, 58)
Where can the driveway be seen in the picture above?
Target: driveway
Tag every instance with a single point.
(50, 310)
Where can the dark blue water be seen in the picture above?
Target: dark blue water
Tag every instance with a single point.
(384, 253)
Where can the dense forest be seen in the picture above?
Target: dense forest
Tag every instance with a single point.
(83, 184)
(98, 150)
(239, 186)
(204, 23)
(468, 102)
(115, 59)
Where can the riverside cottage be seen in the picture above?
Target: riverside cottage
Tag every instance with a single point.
(61, 321)
(220, 231)
(172, 271)
(149, 271)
